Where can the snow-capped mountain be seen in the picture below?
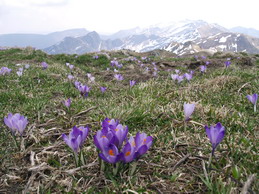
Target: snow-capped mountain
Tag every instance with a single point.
(220, 42)
(182, 37)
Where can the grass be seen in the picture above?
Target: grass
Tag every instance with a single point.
(178, 159)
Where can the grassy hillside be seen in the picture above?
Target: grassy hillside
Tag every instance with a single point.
(178, 160)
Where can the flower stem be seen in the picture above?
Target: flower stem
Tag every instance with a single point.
(16, 143)
(133, 168)
(210, 159)
(255, 107)
(82, 158)
(115, 169)
(76, 159)
(102, 165)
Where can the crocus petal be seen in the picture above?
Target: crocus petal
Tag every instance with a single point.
(128, 153)
(215, 134)
(188, 110)
(142, 150)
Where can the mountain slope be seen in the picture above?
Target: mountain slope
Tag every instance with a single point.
(248, 31)
(88, 43)
(220, 42)
(38, 41)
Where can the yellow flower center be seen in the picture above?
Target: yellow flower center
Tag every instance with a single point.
(144, 141)
(127, 153)
(103, 136)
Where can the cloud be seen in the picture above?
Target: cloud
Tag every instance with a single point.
(26, 3)
(50, 3)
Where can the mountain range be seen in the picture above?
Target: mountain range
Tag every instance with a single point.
(184, 37)
(39, 41)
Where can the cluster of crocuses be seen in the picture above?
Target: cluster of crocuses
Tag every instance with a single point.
(5, 70)
(179, 78)
(70, 66)
(83, 89)
(116, 63)
(118, 77)
(16, 122)
(114, 146)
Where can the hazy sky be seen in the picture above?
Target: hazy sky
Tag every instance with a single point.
(107, 16)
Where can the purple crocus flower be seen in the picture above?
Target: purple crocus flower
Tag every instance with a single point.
(44, 65)
(19, 73)
(27, 66)
(85, 132)
(253, 98)
(188, 76)
(180, 78)
(114, 63)
(177, 71)
(89, 75)
(76, 138)
(103, 89)
(5, 70)
(95, 57)
(120, 134)
(227, 63)
(103, 138)
(84, 90)
(132, 83)
(70, 77)
(77, 84)
(108, 124)
(128, 153)
(16, 122)
(119, 66)
(71, 67)
(141, 142)
(110, 154)
(118, 77)
(188, 110)
(215, 134)
(174, 76)
(67, 102)
(203, 68)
